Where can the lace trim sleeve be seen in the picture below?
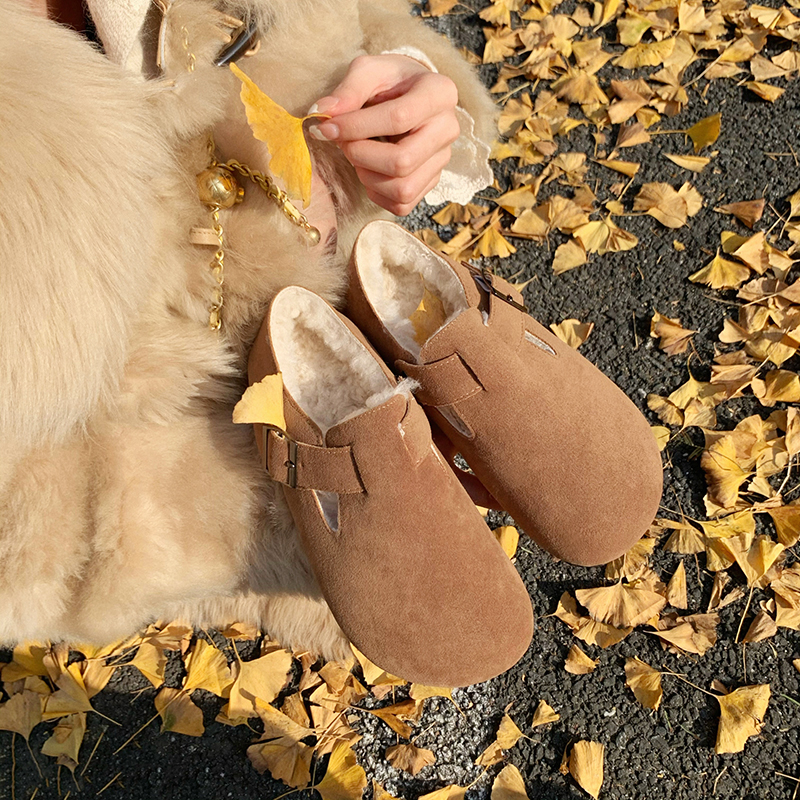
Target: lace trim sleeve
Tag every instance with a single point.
(468, 171)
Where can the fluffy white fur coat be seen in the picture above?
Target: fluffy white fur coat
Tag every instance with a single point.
(126, 492)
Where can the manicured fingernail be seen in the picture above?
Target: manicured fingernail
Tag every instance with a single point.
(325, 132)
(324, 106)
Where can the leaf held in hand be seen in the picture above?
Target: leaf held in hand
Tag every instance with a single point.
(283, 134)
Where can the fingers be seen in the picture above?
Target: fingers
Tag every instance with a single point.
(406, 156)
(401, 195)
(427, 96)
(366, 77)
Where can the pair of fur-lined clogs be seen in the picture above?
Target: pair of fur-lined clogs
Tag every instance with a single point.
(404, 559)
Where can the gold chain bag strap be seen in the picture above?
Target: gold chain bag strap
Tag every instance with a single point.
(217, 185)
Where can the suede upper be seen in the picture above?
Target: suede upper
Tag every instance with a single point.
(408, 566)
(559, 445)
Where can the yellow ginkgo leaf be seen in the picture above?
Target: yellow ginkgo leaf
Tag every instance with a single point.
(21, 713)
(344, 779)
(644, 682)
(544, 715)
(409, 757)
(508, 538)
(178, 713)
(65, 743)
(260, 679)
(628, 168)
(509, 785)
(741, 716)
(586, 766)
(674, 337)
(572, 332)
(262, 402)
(508, 734)
(621, 605)
(283, 134)
(723, 472)
(373, 674)
(569, 255)
(286, 760)
(207, 668)
(720, 273)
(747, 211)
(451, 792)
(71, 696)
(676, 588)
(705, 132)
(578, 663)
(151, 661)
(693, 163)
(429, 316)
(420, 692)
(28, 659)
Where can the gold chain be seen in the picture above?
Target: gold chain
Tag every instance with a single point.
(219, 189)
(190, 58)
(277, 195)
(218, 271)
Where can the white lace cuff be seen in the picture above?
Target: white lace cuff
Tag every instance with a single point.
(468, 171)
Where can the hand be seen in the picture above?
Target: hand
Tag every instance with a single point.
(395, 98)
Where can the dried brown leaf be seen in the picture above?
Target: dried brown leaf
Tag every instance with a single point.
(742, 713)
(621, 605)
(586, 766)
(644, 682)
(409, 757)
(578, 663)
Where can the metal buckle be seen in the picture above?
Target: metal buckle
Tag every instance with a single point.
(483, 277)
(239, 45)
(291, 462)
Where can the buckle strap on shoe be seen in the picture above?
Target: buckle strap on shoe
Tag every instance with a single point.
(444, 382)
(307, 466)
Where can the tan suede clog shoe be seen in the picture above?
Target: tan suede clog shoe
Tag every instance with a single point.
(408, 566)
(556, 442)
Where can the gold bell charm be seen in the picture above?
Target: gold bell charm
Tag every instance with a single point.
(218, 188)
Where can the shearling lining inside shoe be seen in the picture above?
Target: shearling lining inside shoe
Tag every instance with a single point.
(328, 372)
(412, 289)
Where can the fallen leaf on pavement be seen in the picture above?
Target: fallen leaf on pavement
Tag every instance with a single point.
(586, 766)
(674, 338)
(578, 663)
(509, 785)
(742, 713)
(644, 682)
(409, 757)
(65, 742)
(178, 713)
(748, 212)
(572, 332)
(621, 605)
(344, 779)
(544, 715)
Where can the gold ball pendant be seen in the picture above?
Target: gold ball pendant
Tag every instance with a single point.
(219, 188)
